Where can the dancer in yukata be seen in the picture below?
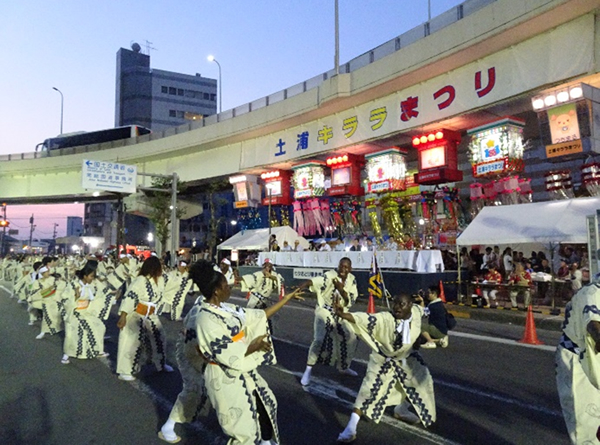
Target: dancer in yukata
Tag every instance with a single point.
(140, 326)
(396, 373)
(85, 304)
(261, 285)
(177, 286)
(235, 342)
(578, 366)
(334, 342)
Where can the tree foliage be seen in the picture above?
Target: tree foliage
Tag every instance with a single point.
(160, 203)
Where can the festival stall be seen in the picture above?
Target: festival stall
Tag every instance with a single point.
(258, 239)
(531, 227)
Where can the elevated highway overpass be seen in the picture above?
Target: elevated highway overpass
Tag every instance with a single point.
(482, 60)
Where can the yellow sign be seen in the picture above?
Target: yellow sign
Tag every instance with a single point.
(566, 148)
(241, 204)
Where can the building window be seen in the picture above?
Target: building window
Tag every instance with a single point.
(173, 91)
(189, 115)
(180, 91)
(172, 113)
(190, 93)
(164, 90)
(180, 114)
(206, 96)
(213, 97)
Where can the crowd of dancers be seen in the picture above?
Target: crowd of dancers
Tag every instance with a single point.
(222, 346)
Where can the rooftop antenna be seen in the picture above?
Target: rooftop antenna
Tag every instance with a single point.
(149, 47)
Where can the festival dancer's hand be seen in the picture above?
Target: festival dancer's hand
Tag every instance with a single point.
(259, 344)
(122, 320)
(339, 286)
(296, 295)
(337, 307)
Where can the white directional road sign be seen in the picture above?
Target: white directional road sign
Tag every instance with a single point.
(109, 176)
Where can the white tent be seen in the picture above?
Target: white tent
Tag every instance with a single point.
(258, 239)
(533, 226)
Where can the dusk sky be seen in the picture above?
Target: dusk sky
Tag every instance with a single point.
(263, 47)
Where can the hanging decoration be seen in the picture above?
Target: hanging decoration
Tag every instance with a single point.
(525, 193)
(590, 178)
(559, 184)
(249, 219)
(510, 193)
(285, 216)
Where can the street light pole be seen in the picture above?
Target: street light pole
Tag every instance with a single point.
(336, 57)
(62, 102)
(212, 59)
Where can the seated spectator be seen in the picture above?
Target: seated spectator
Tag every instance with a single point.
(522, 279)
(493, 276)
(563, 271)
(298, 247)
(286, 247)
(355, 246)
(391, 243)
(571, 257)
(434, 327)
(275, 247)
(576, 277)
(324, 247)
(370, 245)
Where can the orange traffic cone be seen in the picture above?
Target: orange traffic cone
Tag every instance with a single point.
(442, 294)
(530, 334)
(371, 305)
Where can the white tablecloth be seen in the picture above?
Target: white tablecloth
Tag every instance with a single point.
(417, 260)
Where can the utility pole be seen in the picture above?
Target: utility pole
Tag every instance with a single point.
(2, 248)
(31, 229)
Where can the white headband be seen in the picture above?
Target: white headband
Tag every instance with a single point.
(41, 270)
(122, 256)
(182, 263)
(226, 261)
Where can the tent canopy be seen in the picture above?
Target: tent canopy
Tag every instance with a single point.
(258, 239)
(535, 224)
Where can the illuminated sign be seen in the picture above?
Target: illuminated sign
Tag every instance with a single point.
(432, 157)
(564, 125)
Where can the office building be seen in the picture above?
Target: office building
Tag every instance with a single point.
(159, 99)
(74, 226)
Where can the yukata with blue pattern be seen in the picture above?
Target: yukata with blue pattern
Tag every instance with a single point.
(334, 342)
(395, 371)
(578, 368)
(231, 378)
(260, 288)
(85, 308)
(191, 365)
(143, 338)
(177, 286)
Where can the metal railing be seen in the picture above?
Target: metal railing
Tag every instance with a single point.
(411, 36)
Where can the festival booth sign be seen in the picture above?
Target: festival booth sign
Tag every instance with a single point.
(496, 151)
(344, 190)
(246, 191)
(386, 170)
(438, 158)
(277, 185)
(565, 116)
(311, 214)
(277, 196)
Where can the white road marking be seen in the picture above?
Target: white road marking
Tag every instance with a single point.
(502, 340)
(441, 382)
(328, 389)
